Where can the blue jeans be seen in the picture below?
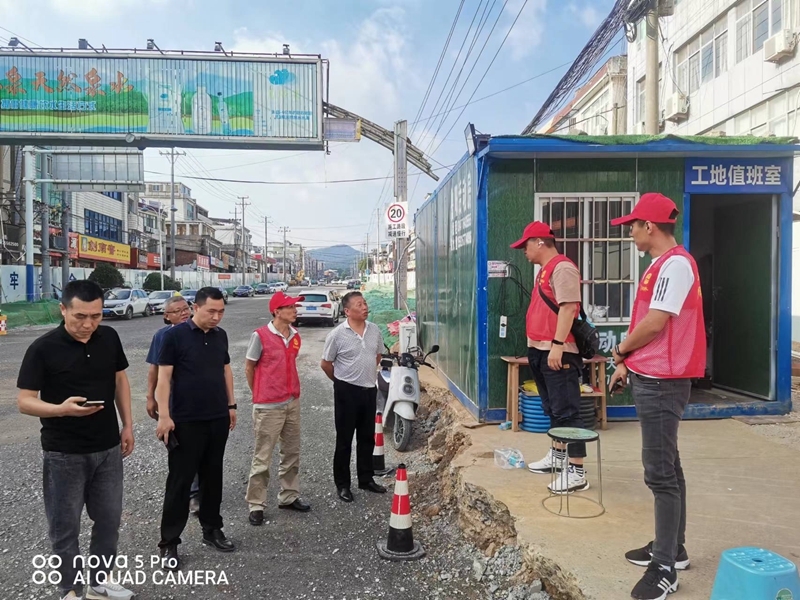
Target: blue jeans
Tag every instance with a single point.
(72, 481)
(659, 405)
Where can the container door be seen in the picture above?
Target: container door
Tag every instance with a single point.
(744, 308)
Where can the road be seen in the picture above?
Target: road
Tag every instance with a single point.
(327, 553)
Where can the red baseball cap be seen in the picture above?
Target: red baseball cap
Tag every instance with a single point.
(656, 208)
(281, 300)
(537, 229)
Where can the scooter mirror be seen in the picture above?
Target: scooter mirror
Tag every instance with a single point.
(435, 349)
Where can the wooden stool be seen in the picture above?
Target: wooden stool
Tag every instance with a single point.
(597, 379)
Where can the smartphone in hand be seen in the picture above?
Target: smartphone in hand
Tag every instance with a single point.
(172, 442)
(91, 403)
(618, 386)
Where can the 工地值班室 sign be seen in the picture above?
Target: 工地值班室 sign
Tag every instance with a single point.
(736, 175)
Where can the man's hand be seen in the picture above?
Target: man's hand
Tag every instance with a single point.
(126, 441)
(71, 407)
(152, 407)
(620, 374)
(165, 425)
(232, 413)
(554, 358)
(618, 360)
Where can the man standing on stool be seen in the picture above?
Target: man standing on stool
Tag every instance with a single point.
(665, 349)
(271, 371)
(350, 359)
(552, 352)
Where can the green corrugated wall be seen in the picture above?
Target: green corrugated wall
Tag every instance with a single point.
(511, 189)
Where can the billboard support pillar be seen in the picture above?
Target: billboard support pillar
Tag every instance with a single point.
(30, 175)
(46, 289)
(65, 226)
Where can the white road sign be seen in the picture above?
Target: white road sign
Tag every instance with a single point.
(397, 220)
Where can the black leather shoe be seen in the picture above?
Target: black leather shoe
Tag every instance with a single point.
(297, 505)
(345, 494)
(217, 539)
(169, 558)
(256, 517)
(372, 487)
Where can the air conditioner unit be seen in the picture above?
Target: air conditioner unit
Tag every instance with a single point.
(677, 107)
(779, 46)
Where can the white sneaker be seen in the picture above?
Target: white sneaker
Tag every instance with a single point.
(108, 590)
(71, 595)
(548, 464)
(569, 481)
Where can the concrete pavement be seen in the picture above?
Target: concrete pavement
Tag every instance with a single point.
(743, 489)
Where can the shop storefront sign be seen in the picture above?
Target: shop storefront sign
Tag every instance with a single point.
(203, 262)
(153, 260)
(737, 175)
(97, 249)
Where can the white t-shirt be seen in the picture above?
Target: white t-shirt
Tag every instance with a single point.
(675, 281)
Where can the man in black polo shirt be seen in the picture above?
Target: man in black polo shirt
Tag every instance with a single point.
(195, 365)
(72, 378)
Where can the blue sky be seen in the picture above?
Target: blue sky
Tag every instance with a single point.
(382, 56)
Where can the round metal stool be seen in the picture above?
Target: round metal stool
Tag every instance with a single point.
(567, 436)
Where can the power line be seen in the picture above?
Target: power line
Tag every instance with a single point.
(362, 179)
(486, 72)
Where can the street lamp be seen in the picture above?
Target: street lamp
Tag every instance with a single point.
(151, 45)
(218, 48)
(14, 42)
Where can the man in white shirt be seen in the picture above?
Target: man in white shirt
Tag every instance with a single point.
(665, 349)
(350, 359)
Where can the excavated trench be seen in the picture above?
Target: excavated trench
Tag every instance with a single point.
(438, 487)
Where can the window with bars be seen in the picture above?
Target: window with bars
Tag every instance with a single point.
(605, 255)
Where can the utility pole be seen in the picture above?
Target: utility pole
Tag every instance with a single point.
(160, 223)
(401, 195)
(46, 289)
(651, 73)
(172, 155)
(29, 179)
(266, 256)
(245, 253)
(285, 274)
(65, 224)
(235, 238)
(378, 246)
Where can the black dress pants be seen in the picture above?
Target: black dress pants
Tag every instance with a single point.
(201, 451)
(354, 413)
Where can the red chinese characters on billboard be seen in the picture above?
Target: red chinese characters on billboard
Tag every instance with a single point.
(203, 262)
(153, 260)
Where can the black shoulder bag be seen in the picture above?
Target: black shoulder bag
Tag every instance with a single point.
(587, 338)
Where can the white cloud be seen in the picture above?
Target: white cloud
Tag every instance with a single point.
(97, 10)
(371, 75)
(527, 33)
(588, 15)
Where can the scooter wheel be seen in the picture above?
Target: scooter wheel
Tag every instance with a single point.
(401, 433)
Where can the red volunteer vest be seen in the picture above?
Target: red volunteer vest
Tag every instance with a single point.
(679, 351)
(276, 378)
(541, 321)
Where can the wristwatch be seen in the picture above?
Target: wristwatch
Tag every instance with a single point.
(231, 407)
(557, 343)
(617, 350)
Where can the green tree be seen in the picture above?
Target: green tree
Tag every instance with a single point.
(153, 282)
(107, 276)
(362, 264)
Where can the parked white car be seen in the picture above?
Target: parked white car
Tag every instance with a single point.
(278, 286)
(125, 303)
(320, 305)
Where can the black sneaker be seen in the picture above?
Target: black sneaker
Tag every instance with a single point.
(642, 557)
(656, 584)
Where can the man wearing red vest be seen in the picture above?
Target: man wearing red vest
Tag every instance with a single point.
(665, 349)
(271, 370)
(552, 352)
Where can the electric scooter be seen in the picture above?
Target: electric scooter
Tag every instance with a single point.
(398, 384)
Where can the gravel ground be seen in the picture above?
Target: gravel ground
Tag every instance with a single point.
(784, 433)
(328, 553)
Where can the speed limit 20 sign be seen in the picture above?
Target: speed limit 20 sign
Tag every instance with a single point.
(397, 220)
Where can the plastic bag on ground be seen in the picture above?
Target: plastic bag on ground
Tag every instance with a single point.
(508, 458)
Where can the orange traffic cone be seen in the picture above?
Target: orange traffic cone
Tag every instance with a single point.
(400, 544)
(378, 458)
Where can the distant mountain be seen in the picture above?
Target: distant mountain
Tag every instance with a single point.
(339, 257)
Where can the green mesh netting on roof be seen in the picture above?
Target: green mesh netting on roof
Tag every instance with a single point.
(635, 140)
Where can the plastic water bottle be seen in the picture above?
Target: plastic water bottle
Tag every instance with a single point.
(505, 426)
(508, 458)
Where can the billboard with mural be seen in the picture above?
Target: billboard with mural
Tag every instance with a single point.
(163, 98)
